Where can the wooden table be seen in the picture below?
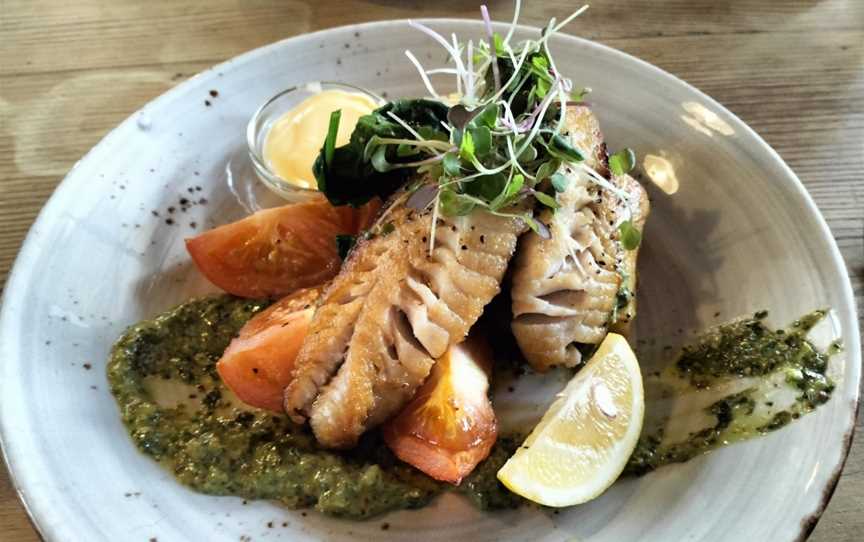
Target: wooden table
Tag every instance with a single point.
(793, 70)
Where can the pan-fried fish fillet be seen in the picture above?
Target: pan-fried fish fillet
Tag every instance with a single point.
(392, 311)
(566, 289)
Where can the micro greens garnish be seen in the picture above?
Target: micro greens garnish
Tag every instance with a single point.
(622, 161)
(502, 143)
(630, 236)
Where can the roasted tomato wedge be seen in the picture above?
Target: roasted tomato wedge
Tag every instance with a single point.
(276, 251)
(258, 363)
(449, 426)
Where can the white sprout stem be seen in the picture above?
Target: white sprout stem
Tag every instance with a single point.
(600, 181)
(405, 125)
(561, 88)
(454, 53)
(569, 19)
(516, 9)
(468, 177)
(515, 74)
(446, 126)
(488, 22)
(423, 75)
(510, 52)
(544, 107)
(562, 100)
(482, 69)
(448, 71)
(508, 114)
(469, 86)
(484, 171)
(424, 162)
(430, 143)
(516, 91)
(475, 201)
(563, 23)
(388, 210)
(434, 223)
(458, 76)
(508, 215)
(555, 28)
(514, 159)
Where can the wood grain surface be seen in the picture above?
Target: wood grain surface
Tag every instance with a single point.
(793, 70)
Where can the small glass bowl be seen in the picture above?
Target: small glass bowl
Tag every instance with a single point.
(267, 115)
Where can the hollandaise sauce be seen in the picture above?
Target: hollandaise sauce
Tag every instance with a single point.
(294, 140)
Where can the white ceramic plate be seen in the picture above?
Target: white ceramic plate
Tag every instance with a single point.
(741, 234)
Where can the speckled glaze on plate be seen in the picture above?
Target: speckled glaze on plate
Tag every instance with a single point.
(739, 234)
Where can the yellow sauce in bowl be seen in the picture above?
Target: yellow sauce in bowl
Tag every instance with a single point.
(294, 140)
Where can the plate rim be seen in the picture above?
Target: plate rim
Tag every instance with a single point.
(38, 516)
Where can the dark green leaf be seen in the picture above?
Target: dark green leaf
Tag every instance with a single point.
(546, 169)
(432, 132)
(546, 200)
(387, 228)
(561, 148)
(528, 155)
(559, 182)
(346, 174)
(481, 138)
(344, 244)
(332, 133)
(452, 164)
(622, 161)
(403, 149)
(453, 204)
(630, 236)
(509, 193)
(486, 187)
(457, 137)
(487, 117)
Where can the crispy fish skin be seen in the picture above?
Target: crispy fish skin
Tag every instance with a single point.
(390, 313)
(565, 288)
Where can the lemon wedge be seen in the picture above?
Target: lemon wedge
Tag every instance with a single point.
(584, 440)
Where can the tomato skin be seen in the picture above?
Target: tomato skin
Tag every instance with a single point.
(276, 251)
(259, 362)
(449, 426)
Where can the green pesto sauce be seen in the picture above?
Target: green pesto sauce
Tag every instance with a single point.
(743, 348)
(220, 449)
(216, 447)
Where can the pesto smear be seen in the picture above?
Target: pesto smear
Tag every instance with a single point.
(217, 447)
(754, 362)
(214, 445)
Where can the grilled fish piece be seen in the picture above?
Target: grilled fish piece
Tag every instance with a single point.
(390, 313)
(568, 290)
